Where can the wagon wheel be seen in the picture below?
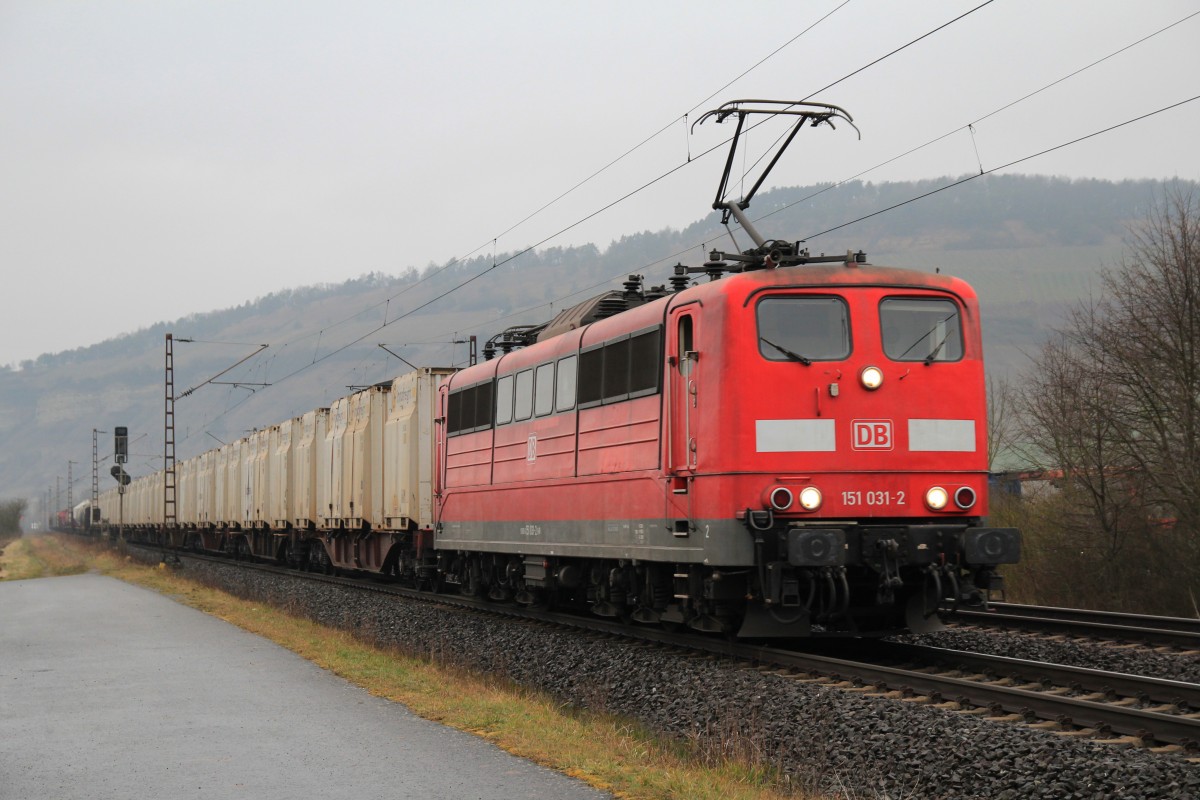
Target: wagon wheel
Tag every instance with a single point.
(430, 583)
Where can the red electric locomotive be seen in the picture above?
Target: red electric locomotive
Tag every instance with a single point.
(797, 448)
(804, 443)
(793, 448)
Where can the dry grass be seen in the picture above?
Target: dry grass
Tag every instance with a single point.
(42, 557)
(605, 751)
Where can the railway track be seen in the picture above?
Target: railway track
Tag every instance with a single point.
(1074, 701)
(1176, 632)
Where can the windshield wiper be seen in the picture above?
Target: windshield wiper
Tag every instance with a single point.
(933, 355)
(793, 356)
(926, 335)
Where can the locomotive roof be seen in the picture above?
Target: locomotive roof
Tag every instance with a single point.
(743, 284)
(842, 275)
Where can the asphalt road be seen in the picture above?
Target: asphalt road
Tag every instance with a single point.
(112, 691)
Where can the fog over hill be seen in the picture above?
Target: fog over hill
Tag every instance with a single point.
(1029, 245)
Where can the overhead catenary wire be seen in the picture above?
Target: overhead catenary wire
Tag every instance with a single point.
(967, 179)
(669, 125)
(460, 259)
(602, 209)
(1012, 163)
(810, 236)
(868, 66)
(318, 358)
(968, 126)
(986, 116)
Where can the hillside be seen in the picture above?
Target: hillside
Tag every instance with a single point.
(1029, 245)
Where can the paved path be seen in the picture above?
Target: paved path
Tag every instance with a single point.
(108, 690)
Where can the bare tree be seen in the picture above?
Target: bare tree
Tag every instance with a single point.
(1150, 331)
(1114, 401)
(1001, 419)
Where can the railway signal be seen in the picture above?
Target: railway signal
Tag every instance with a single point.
(120, 445)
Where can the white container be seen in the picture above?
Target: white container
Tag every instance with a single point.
(185, 491)
(258, 485)
(359, 498)
(281, 508)
(246, 488)
(306, 483)
(228, 484)
(205, 488)
(329, 471)
(408, 445)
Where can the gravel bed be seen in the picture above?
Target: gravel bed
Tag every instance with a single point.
(836, 742)
(1095, 655)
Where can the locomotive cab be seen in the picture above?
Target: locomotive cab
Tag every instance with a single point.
(845, 426)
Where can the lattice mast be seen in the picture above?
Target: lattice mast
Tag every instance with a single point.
(169, 510)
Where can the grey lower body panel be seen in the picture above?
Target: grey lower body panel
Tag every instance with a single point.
(724, 543)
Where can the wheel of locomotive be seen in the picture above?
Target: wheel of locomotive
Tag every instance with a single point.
(472, 583)
(501, 582)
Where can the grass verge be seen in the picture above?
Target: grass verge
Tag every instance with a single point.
(607, 752)
(42, 557)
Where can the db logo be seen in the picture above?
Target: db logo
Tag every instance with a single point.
(872, 434)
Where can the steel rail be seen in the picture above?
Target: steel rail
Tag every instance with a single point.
(1109, 617)
(1144, 724)
(1169, 631)
(1181, 694)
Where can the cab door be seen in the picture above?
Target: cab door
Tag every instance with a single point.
(683, 365)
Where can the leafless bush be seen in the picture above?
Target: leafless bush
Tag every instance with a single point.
(10, 517)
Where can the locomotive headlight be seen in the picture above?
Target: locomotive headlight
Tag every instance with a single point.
(936, 498)
(810, 498)
(871, 377)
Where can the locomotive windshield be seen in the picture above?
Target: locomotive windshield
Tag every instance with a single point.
(803, 329)
(921, 329)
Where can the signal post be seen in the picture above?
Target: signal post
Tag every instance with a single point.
(120, 456)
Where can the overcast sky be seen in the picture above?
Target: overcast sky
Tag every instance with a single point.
(159, 159)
